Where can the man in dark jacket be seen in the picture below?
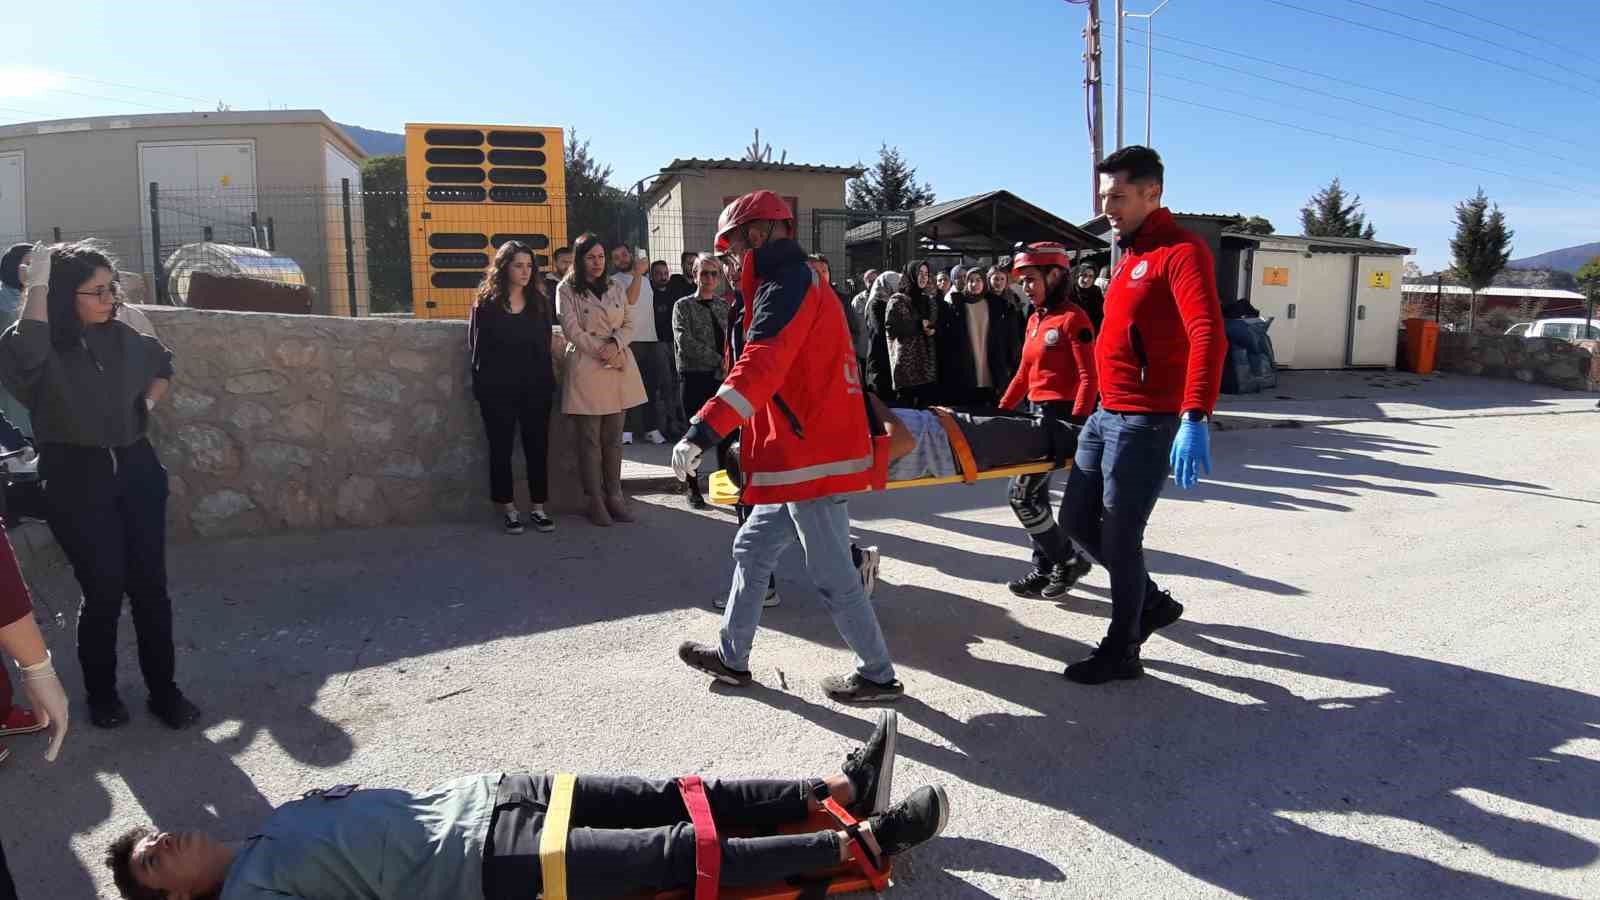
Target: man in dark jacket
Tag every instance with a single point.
(1159, 361)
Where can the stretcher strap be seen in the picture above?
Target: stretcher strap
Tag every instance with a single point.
(871, 865)
(958, 443)
(553, 837)
(707, 849)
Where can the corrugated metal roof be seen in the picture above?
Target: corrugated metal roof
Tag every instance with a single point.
(932, 214)
(1325, 244)
(1099, 224)
(1425, 287)
(752, 166)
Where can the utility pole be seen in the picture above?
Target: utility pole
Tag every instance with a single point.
(1149, 69)
(1121, 43)
(1092, 81)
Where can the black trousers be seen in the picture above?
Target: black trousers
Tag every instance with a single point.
(108, 512)
(629, 835)
(698, 387)
(506, 411)
(8, 890)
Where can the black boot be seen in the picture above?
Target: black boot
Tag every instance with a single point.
(1108, 662)
(1159, 612)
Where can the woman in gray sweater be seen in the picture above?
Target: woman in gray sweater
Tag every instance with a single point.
(90, 383)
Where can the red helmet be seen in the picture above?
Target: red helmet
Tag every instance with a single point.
(1042, 254)
(755, 206)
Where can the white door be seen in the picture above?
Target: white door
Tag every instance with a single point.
(203, 184)
(1375, 330)
(1275, 290)
(13, 210)
(1324, 311)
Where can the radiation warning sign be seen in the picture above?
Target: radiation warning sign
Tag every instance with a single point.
(1379, 279)
(1277, 276)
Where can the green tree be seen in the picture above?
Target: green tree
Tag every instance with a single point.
(1251, 225)
(1481, 247)
(593, 204)
(1333, 213)
(386, 207)
(891, 184)
(1589, 283)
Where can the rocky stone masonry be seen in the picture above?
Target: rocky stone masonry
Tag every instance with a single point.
(292, 423)
(1574, 366)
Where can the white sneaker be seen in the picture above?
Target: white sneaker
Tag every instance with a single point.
(870, 560)
(627, 438)
(655, 437)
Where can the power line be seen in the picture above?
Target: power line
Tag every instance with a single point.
(1362, 123)
(1372, 106)
(108, 99)
(1466, 34)
(1566, 189)
(132, 87)
(1513, 29)
(1445, 47)
(1367, 87)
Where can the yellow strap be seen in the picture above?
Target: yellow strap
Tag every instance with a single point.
(958, 443)
(729, 495)
(553, 838)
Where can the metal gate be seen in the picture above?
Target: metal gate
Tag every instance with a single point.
(856, 240)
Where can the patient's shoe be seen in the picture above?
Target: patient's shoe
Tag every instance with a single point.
(870, 767)
(915, 820)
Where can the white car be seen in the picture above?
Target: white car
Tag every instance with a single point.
(1562, 329)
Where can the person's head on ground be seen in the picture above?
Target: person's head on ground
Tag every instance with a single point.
(84, 290)
(1085, 275)
(589, 264)
(752, 221)
(1042, 270)
(686, 263)
(150, 865)
(1131, 182)
(999, 280)
(819, 265)
(11, 264)
(562, 261)
(660, 274)
(917, 278)
(868, 278)
(973, 282)
(707, 276)
(513, 270)
(622, 259)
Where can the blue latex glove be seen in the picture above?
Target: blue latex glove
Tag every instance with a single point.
(1191, 453)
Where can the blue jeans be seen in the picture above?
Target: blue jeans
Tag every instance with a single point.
(823, 529)
(1117, 476)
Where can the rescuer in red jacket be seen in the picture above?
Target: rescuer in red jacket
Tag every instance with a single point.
(1057, 380)
(796, 394)
(1159, 358)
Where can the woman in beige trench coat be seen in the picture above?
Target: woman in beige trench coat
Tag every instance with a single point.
(602, 379)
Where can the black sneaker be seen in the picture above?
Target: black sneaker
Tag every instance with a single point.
(915, 820)
(108, 712)
(513, 523)
(175, 712)
(1106, 663)
(1154, 618)
(1031, 585)
(853, 688)
(709, 660)
(696, 501)
(1062, 578)
(541, 522)
(870, 767)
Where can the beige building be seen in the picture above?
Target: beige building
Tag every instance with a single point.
(681, 208)
(226, 174)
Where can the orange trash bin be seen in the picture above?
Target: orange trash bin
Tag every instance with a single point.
(1422, 344)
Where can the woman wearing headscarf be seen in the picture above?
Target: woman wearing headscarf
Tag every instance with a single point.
(912, 323)
(1088, 295)
(11, 264)
(90, 382)
(974, 345)
(880, 376)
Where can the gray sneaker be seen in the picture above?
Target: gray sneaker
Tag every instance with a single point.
(853, 688)
(709, 660)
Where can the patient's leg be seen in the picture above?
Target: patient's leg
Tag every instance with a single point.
(1004, 440)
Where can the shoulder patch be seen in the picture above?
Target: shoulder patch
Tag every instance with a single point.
(1086, 336)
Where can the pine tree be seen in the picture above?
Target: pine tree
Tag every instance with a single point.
(592, 203)
(1332, 213)
(1481, 247)
(891, 185)
(385, 202)
(1251, 224)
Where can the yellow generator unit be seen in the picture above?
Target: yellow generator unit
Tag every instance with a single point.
(474, 187)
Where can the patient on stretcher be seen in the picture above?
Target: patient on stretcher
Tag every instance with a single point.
(920, 448)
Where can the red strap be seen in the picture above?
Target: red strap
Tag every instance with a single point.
(879, 878)
(707, 850)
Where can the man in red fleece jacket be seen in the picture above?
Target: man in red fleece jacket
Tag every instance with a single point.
(1159, 360)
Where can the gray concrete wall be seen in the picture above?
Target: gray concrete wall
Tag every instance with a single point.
(292, 423)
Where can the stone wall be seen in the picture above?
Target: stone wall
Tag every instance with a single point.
(1574, 366)
(284, 423)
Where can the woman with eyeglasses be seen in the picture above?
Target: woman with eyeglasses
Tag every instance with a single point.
(90, 382)
(513, 379)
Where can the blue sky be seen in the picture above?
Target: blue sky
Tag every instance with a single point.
(977, 95)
